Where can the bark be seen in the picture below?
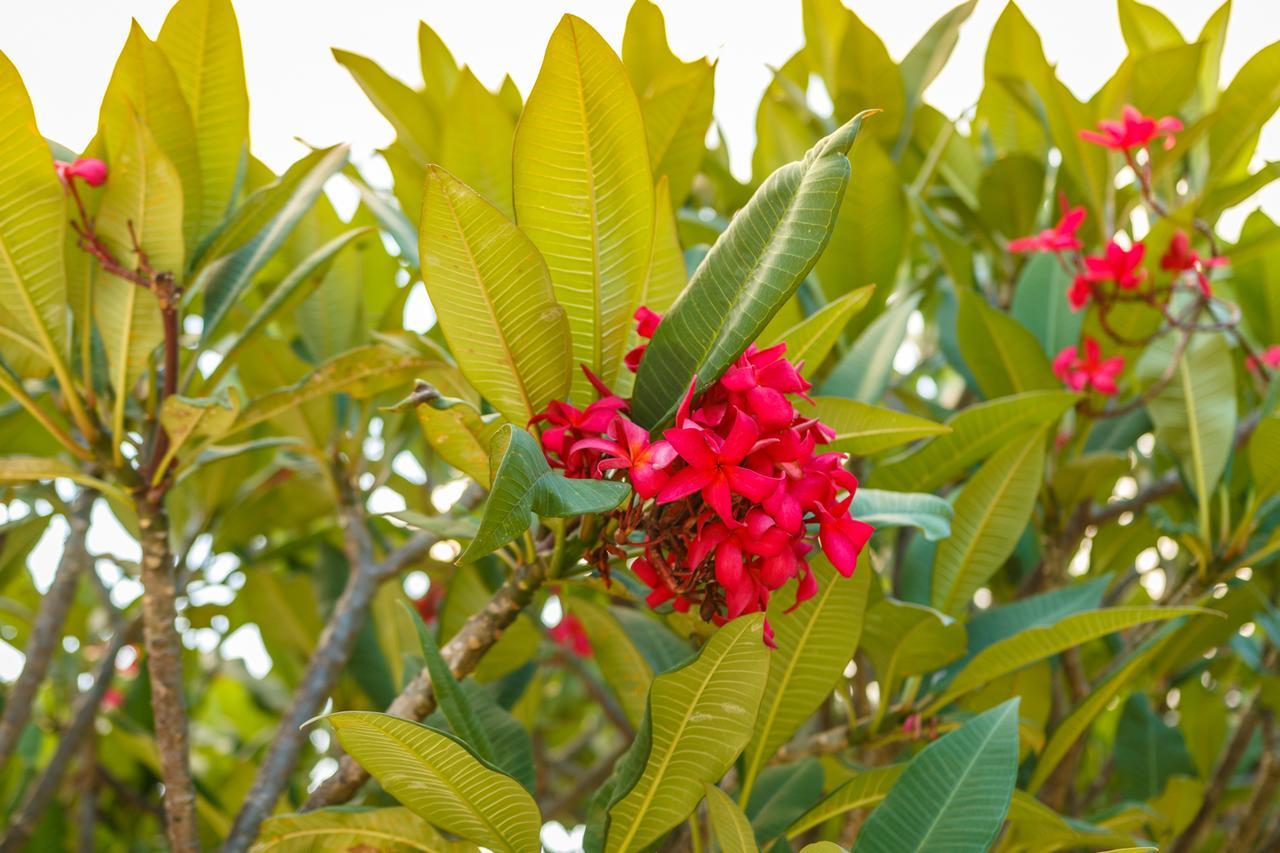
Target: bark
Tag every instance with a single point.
(47, 631)
(1191, 837)
(164, 667)
(462, 653)
(27, 817)
(1266, 790)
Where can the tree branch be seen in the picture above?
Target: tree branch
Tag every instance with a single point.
(1266, 787)
(463, 651)
(47, 630)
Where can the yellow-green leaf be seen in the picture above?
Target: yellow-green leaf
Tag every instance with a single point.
(862, 429)
(476, 141)
(677, 112)
(812, 339)
(731, 827)
(375, 830)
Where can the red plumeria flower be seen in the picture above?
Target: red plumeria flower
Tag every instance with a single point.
(842, 536)
(763, 378)
(1079, 372)
(1180, 257)
(567, 422)
(1133, 130)
(1079, 294)
(1059, 238)
(714, 467)
(646, 324)
(1270, 357)
(91, 170)
(758, 537)
(570, 633)
(1118, 264)
(629, 448)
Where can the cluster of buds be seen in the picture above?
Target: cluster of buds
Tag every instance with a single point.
(1117, 275)
(728, 503)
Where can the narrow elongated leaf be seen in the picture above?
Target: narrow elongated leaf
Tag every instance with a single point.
(864, 371)
(676, 107)
(623, 665)
(401, 106)
(493, 295)
(925, 60)
(975, 433)
(753, 269)
(863, 429)
(866, 788)
(385, 830)
(476, 142)
(185, 418)
(812, 339)
(699, 718)
(731, 827)
(435, 777)
(1002, 354)
(1246, 105)
(33, 222)
(999, 623)
(815, 643)
(955, 793)
(930, 514)
(1148, 751)
(524, 483)
(584, 191)
(781, 794)
(31, 469)
(201, 39)
(1264, 456)
(908, 639)
(1036, 643)
(990, 514)
(257, 230)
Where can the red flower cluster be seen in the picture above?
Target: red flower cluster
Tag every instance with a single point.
(88, 169)
(1270, 357)
(1060, 238)
(1133, 130)
(1080, 371)
(1118, 264)
(728, 503)
(1180, 258)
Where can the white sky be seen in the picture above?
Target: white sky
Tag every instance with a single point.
(297, 90)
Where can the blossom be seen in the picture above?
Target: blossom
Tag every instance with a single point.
(91, 170)
(570, 633)
(1270, 357)
(628, 447)
(1118, 264)
(1180, 257)
(1059, 238)
(646, 324)
(714, 466)
(842, 536)
(1133, 130)
(1079, 372)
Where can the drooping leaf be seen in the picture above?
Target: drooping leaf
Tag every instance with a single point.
(730, 825)
(930, 514)
(493, 295)
(584, 191)
(384, 830)
(815, 643)
(30, 469)
(955, 793)
(523, 483)
(866, 788)
(435, 777)
(863, 429)
(699, 718)
(990, 514)
(813, 338)
(753, 268)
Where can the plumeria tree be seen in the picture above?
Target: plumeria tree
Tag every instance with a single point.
(921, 492)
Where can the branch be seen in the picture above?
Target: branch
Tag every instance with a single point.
(164, 668)
(1266, 787)
(481, 631)
(47, 631)
(69, 743)
(330, 659)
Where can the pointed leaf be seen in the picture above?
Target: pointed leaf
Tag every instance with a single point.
(407, 112)
(677, 112)
(385, 830)
(864, 371)
(908, 639)
(812, 339)
(1002, 354)
(781, 794)
(731, 827)
(623, 665)
(866, 788)
(476, 145)
(930, 514)
(862, 429)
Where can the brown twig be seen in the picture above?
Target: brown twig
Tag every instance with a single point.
(47, 630)
(1266, 787)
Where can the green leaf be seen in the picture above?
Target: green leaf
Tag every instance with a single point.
(991, 512)
(815, 643)
(677, 112)
(954, 794)
(33, 224)
(1264, 456)
(699, 718)
(476, 145)
(1147, 751)
(257, 230)
(434, 776)
(1245, 106)
(731, 827)
(1038, 642)
(361, 372)
(493, 295)
(385, 830)
(31, 469)
(1040, 304)
(460, 435)
(864, 371)
(1195, 414)
(524, 483)
(201, 39)
(999, 623)
(908, 639)
(863, 429)
(512, 746)
(623, 665)
(925, 60)
(584, 192)
(866, 788)
(645, 52)
(930, 514)
(867, 78)
(452, 701)
(439, 68)
(753, 269)
(782, 794)
(812, 339)
(184, 418)
(1145, 28)
(975, 433)
(1002, 354)
(404, 108)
